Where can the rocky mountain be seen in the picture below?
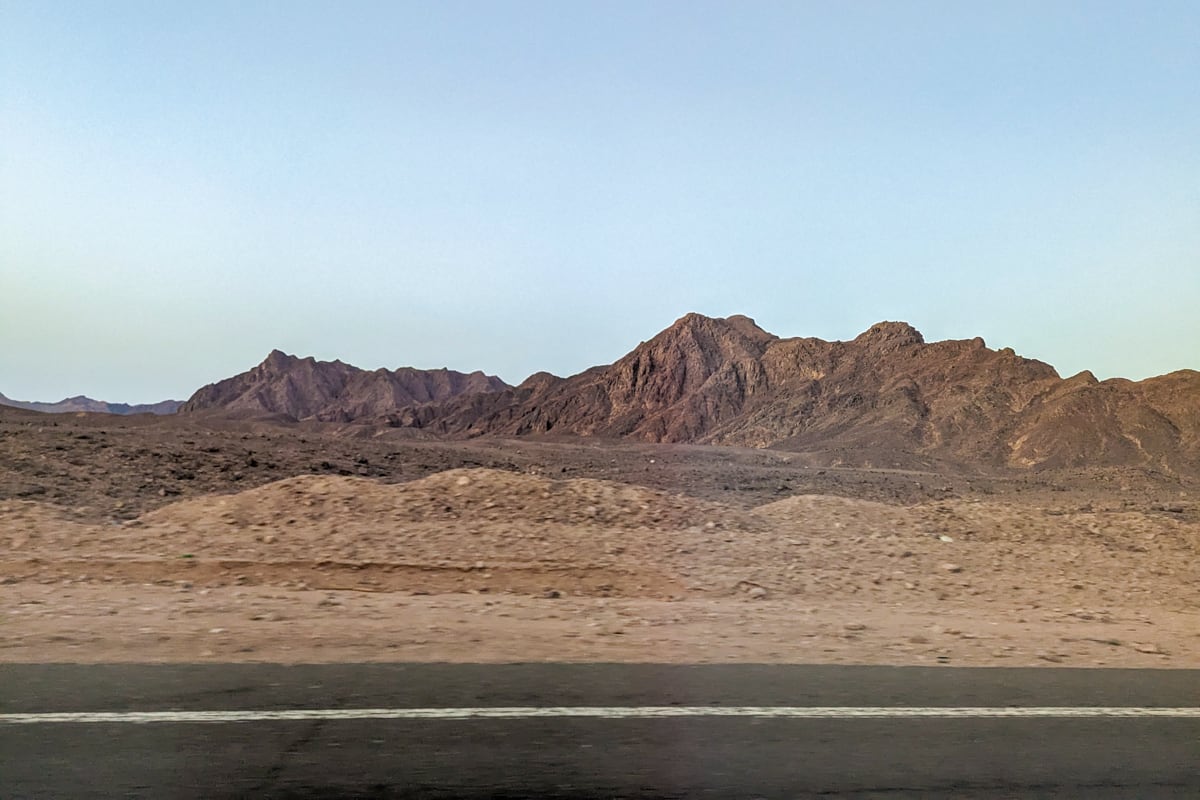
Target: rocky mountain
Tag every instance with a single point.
(304, 388)
(886, 399)
(81, 403)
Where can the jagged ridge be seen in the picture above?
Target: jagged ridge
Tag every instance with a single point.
(304, 388)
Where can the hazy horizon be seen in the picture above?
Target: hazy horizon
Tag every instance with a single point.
(514, 382)
(528, 186)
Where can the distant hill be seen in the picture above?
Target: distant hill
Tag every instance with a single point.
(304, 388)
(81, 403)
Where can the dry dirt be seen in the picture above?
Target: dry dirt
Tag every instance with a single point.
(693, 554)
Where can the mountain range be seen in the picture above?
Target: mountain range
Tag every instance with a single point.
(87, 404)
(887, 398)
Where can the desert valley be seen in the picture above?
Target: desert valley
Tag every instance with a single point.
(718, 494)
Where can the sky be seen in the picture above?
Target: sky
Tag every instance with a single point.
(525, 186)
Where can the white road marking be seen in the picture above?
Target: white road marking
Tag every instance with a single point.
(591, 712)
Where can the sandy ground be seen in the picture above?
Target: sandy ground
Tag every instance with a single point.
(149, 623)
(489, 565)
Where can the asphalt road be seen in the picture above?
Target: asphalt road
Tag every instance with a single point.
(592, 731)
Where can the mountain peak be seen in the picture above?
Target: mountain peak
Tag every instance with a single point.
(278, 358)
(738, 324)
(890, 335)
(693, 318)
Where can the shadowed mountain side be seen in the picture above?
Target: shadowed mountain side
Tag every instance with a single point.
(304, 388)
(885, 399)
(1081, 422)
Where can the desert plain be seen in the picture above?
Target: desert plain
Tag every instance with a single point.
(190, 539)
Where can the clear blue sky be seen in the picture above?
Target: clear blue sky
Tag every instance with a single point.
(516, 186)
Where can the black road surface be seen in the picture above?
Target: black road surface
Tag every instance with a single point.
(701, 755)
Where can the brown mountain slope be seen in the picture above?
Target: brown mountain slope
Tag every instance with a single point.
(887, 398)
(304, 388)
(1155, 422)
